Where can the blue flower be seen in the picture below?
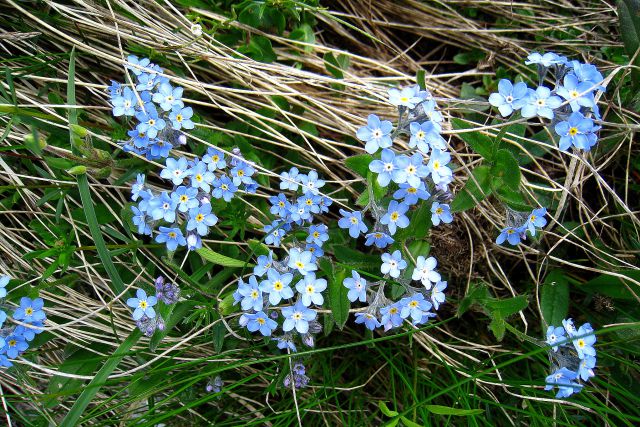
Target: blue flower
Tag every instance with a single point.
(554, 336)
(176, 170)
(300, 212)
(298, 317)
(250, 294)
(414, 306)
(142, 63)
(310, 289)
(224, 188)
(150, 124)
(588, 73)
(290, 180)
(584, 341)
(241, 173)
(115, 89)
(579, 94)
(546, 60)
(392, 264)
(29, 333)
(159, 149)
(407, 97)
(512, 235)
(509, 97)
(563, 379)
(391, 316)
(541, 103)
(310, 201)
(201, 177)
(194, 241)
(264, 263)
(214, 159)
(585, 370)
(352, 221)
(168, 97)
(142, 305)
(137, 187)
(425, 271)
(311, 182)
(315, 250)
(410, 170)
(124, 104)
(569, 327)
(285, 342)
(426, 136)
(280, 206)
(30, 311)
(14, 345)
(318, 234)
(429, 110)
(380, 239)
(437, 296)
(395, 216)
(261, 322)
(301, 261)
(277, 286)
(440, 213)
(577, 131)
(185, 198)
(275, 232)
(410, 195)
(4, 281)
(357, 287)
(181, 118)
(172, 237)
(386, 168)
(201, 218)
(440, 173)
(163, 207)
(376, 134)
(536, 219)
(146, 82)
(140, 219)
(369, 320)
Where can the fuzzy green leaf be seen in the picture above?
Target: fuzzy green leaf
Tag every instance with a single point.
(359, 164)
(220, 259)
(446, 410)
(554, 299)
(476, 189)
(480, 143)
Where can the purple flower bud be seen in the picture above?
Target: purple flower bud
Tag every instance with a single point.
(182, 139)
(308, 340)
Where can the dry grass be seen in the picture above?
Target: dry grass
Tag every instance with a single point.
(412, 35)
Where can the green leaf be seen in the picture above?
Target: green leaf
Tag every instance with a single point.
(359, 164)
(514, 199)
(419, 226)
(220, 259)
(480, 143)
(507, 307)
(378, 191)
(420, 79)
(613, 286)
(260, 49)
(338, 300)
(258, 248)
(497, 325)
(447, 410)
(336, 65)
(476, 293)
(305, 34)
(476, 189)
(89, 392)
(554, 298)
(408, 423)
(507, 169)
(629, 13)
(385, 409)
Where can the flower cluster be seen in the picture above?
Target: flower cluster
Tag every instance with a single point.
(144, 313)
(285, 294)
(421, 176)
(15, 339)
(157, 107)
(184, 215)
(518, 225)
(573, 357)
(568, 105)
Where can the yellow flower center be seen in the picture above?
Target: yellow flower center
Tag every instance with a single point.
(310, 289)
(413, 304)
(240, 172)
(179, 118)
(254, 294)
(573, 131)
(172, 234)
(404, 99)
(420, 135)
(316, 234)
(12, 343)
(412, 190)
(299, 264)
(199, 178)
(216, 158)
(574, 93)
(142, 304)
(199, 217)
(581, 343)
(29, 311)
(395, 216)
(436, 165)
(393, 310)
(353, 220)
(152, 122)
(184, 198)
(439, 211)
(278, 285)
(297, 315)
(260, 320)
